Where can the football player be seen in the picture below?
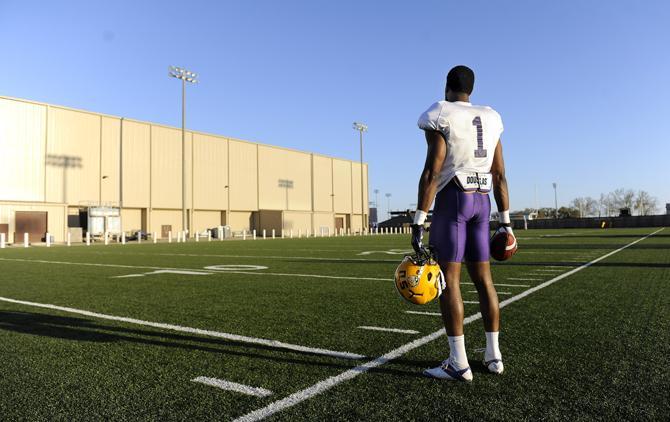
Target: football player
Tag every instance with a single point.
(464, 160)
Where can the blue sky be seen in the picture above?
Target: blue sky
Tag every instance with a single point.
(583, 86)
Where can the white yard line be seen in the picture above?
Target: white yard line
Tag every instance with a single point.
(390, 330)
(209, 333)
(203, 271)
(423, 313)
(522, 279)
(233, 386)
(548, 270)
(500, 293)
(331, 382)
(471, 302)
(307, 258)
(502, 284)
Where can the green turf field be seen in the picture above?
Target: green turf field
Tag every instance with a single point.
(282, 316)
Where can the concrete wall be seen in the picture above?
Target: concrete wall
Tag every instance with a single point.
(57, 155)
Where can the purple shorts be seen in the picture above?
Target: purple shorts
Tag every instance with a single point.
(460, 225)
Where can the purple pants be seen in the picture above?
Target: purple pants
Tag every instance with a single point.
(460, 225)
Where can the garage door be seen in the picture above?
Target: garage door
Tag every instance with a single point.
(32, 222)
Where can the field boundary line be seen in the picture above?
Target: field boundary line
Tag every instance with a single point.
(199, 331)
(388, 330)
(146, 267)
(328, 383)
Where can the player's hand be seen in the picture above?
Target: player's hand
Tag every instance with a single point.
(506, 227)
(417, 241)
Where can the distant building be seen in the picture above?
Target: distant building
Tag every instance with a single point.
(373, 217)
(667, 208)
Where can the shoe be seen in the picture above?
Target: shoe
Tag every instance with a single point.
(447, 372)
(495, 366)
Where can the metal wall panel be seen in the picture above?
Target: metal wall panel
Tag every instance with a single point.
(56, 222)
(166, 167)
(240, 220)
(275, 164)
(342, 185)
(210, 156)
(203, 220)
(73, 157)
(136, 164)
(131, 219)
(161, 218)
(324, 220)
(323, 183)
(297, 221)
(109, 160)
(22, 146)
(243, 176)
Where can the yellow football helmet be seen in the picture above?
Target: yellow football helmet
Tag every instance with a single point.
(419, 280)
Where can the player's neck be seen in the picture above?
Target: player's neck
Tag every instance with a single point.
(458, 96)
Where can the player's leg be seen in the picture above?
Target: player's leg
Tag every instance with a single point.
(447, 240)
(479, 268)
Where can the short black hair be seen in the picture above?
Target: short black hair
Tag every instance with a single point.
(461, 79)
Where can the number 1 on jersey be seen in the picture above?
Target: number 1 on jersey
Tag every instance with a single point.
(480, 152)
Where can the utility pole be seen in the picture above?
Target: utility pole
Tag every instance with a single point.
(361, 127)
(388, 209)
(185, 76)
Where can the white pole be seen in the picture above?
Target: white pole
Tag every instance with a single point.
(183, 236)
(106, 239)
(299, 233)
(48, 239)
(69, 239)
(197, 237)
(2, 241)
(291, 233)
(88, 239)
(170, 237)
(139, 237)
(264, 237)
(273, 233)
(254, 233)
(153, 237)
(244, 234)
(209, 235)
(26, 241)
(123, 238)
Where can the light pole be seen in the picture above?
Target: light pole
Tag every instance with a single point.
(555, 200)
(377, 199)
(361, 127)
(185, 76)
(388, 208)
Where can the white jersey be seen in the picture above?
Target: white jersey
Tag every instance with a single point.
(472, 133)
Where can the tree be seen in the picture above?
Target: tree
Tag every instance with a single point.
(623, 198)
(568, 212)
(587, 206)
(645, 203)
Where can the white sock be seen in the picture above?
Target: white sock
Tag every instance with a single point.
(457, 354)
(492, 347)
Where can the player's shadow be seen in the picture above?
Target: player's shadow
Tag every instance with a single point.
(79, 329)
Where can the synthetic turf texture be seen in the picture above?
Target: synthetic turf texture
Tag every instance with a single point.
(592, 346)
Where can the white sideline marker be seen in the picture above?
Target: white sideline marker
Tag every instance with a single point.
(233, 386)
(390, 330)
(331, 382)
(208, 333)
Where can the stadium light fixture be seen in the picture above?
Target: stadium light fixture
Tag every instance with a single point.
(388, 209)
(555, 200)
(361, 127)
(190, 77)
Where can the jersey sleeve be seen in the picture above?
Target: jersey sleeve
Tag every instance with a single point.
(433, 119)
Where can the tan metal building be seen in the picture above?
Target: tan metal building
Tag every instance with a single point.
(57, 161)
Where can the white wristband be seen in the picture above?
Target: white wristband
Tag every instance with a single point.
(503, 217)
(420, 217)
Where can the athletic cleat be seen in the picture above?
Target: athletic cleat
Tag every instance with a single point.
(494, 366)
(447, 372)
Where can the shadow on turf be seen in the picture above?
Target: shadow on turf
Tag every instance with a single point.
(79, 329)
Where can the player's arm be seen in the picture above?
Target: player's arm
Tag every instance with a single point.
(437, 151)
(500, 191)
